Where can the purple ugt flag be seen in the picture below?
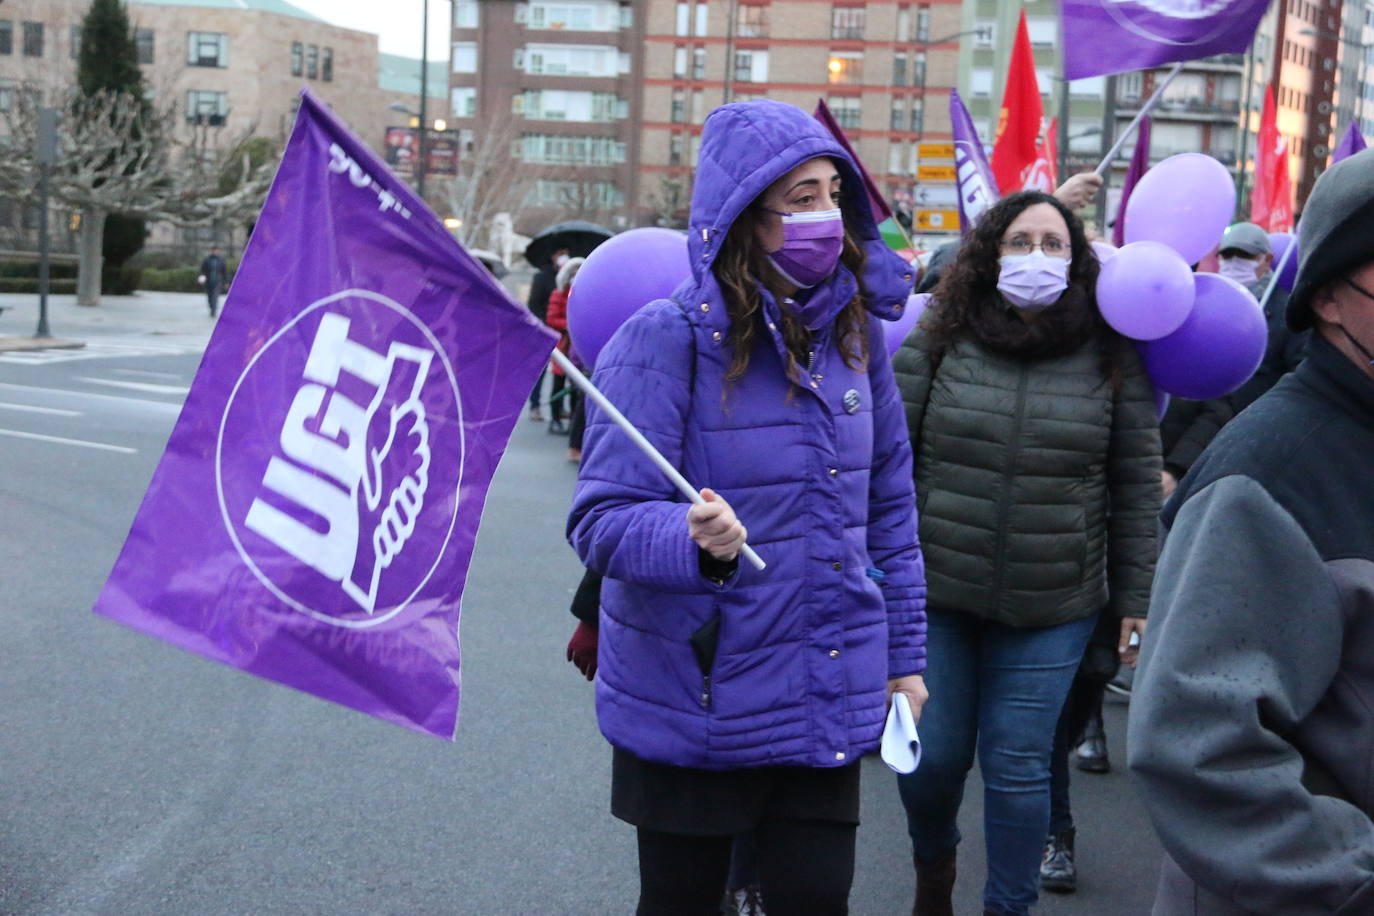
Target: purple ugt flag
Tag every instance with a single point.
(876, 203)
(1115, 36)
(1140, 164)
(1350, 144)
(977, 188)
(313, 516)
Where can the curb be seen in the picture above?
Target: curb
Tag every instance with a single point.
(25, 344)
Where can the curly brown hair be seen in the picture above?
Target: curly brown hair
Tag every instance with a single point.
(966, 302)
(742, 266)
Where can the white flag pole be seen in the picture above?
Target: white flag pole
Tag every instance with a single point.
(1130, 128)
(1278, 269)
(581, 381)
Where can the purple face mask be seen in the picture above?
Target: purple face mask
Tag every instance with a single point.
(811, 244)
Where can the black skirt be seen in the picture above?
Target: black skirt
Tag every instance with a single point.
(694, 802)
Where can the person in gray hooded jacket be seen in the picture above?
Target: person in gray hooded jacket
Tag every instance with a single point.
(1252, 721)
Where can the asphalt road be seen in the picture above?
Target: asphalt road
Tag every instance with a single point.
(137, 778)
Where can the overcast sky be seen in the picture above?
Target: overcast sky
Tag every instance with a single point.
(398, 23)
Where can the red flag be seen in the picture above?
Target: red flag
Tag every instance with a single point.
(1271, 203)
(1016, 147)
(1044, 172)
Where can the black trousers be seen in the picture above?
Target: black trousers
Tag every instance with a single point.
(805, 868)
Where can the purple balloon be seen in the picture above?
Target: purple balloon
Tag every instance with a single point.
(1186, 202)
(1145, 291)
(894, 332)
(1278, 244)
(1103, 250)
(622, 275)
(1218, 348)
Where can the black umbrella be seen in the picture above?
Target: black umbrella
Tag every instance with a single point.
(578, 236)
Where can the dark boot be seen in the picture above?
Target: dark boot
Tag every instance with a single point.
(1092, 750)
(1057, 871)
(935, 887)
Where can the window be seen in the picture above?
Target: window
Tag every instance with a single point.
(698, 63)
(1085, 135)
(751, 66)
(570, 105)
(847, 23)
(1090, 88)
(903, 23)
(465, 14)
(845, 67)
(923, 24)
(918, 115)
(569, 17)
(675, 149)
(1044, 77)
(986, 31)
(6, 96)
(980, 83)
(627, 15)
(327, 64)
(312, 62)
(848, 110)
(33, 39)
(207, 49)
(894, 157)
(463, 102)
(679, 109)
(143, 40)
(6, 36)
(1043, 32)
(898, 119)
(465, 57)
(74, 41)
(680, 62)
(1128, 86)
(683, 25)
(204, 107)
(297, 58)
(564, 60)
(899, 69)
(918, 69)
(557, 149)
(702, 11)
(575, 195)
(751, 21)
(698, 107)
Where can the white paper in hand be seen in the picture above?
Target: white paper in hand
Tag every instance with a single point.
(901, 748)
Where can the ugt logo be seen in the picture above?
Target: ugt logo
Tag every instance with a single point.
(339, 459)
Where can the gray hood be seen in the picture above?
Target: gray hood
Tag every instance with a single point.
(1334, 236)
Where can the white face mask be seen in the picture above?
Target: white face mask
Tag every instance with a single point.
(560, 260)
(1032, 281)
(1242, 270)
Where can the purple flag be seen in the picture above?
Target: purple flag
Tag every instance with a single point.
(1350, 144)
(1140, 164)
(313, 516)
(977, 187)
(1114, 36)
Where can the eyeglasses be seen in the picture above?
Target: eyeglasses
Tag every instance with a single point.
(1053, 247)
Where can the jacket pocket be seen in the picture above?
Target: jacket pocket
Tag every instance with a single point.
(704, 642)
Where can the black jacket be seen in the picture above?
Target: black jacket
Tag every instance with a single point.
(541, 287)
(1188, 427)
(1282, 353)
(1252, 719)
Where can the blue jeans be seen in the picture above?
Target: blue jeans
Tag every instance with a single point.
(999, 689)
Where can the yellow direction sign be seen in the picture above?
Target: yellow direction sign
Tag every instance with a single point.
(928, 151)
(937, 220)
(935, 173)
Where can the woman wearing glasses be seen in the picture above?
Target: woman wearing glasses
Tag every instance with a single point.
(1037, 463)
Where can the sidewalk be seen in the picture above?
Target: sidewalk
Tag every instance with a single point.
(176, 318)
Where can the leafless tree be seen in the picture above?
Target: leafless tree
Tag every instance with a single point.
(118, 155)
(492, 178)
(671, 200)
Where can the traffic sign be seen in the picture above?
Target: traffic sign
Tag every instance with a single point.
(935, 173)
(928, 151)
(931, 220)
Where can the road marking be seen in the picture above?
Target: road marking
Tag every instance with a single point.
(108, 348)
(134, 386)
(54, 411)
(148, 373)
(91, 394)
(19, 434)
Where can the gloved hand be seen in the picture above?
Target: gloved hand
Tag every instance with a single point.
(582, 649)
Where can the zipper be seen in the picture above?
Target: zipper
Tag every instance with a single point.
(706, 691)
(1004, 500)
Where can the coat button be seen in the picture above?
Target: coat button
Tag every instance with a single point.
(834, 653)
(834, 472)
(839, 755)
(772, 326)
(897, 309)
(706, 306)
(837, 566)
(906, 277)
(814, 385)
(715, 335)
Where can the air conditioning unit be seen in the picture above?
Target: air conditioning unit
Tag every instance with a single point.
(1323, 107)
(1321, 151)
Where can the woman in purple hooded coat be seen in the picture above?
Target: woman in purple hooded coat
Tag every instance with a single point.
(738, 699)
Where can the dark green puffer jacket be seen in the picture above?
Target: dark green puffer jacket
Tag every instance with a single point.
(1017, 462)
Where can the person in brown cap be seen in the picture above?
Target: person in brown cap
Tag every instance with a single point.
(1252, 721)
